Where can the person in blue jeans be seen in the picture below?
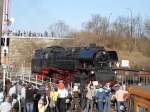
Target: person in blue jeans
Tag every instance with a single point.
(29, 98)
(90, 96)
(100, 95)
(29, 107)
(107, 91)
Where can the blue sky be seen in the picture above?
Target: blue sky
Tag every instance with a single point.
(38, 15)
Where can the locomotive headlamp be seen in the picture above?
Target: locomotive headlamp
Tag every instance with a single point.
(92, 72)
(104, 52)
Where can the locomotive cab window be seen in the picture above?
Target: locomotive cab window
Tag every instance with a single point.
(38, 53)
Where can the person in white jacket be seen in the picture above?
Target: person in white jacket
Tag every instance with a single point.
(12, 90)
(62, 95)
(22, 98)
(1, 95)
(6, 106)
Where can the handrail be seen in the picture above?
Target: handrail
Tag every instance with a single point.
(131, 69)
(142, 92)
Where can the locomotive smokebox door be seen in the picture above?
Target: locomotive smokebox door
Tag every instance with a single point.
(81, 78)
(104, 75)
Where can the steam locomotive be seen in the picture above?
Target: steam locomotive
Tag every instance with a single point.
(74, 64)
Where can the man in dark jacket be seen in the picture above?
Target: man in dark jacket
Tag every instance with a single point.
(75, 103)
(29, 98)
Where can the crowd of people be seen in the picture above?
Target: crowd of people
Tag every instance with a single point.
(25, 97)
(29, 34)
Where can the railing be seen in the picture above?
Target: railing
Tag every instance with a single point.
(23, 74)
(139, 99)
(128, 77)
(37, 36)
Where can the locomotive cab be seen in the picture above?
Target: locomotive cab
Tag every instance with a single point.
(37, 61)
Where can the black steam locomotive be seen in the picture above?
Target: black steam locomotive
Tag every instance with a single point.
(77, 64)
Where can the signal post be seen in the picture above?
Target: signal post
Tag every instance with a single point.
(5, 39)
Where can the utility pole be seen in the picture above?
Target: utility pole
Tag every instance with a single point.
(5, 31)
(4, 48)
(1, 19)
(131, 24)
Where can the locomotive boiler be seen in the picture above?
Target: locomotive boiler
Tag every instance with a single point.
(74, 64)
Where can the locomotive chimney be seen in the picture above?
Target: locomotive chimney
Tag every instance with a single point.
(93, 45)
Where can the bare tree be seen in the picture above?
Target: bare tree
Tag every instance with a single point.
(147, 27)
(98, 25)
(138, 26)
(121, 27)
(94, 24)
(46, 33)
(59, 29)
(137, 29)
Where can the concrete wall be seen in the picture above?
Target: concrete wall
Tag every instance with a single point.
(21, 50)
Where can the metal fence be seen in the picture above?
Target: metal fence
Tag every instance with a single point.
(139, 78)
(125, 77)
(23, 74)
